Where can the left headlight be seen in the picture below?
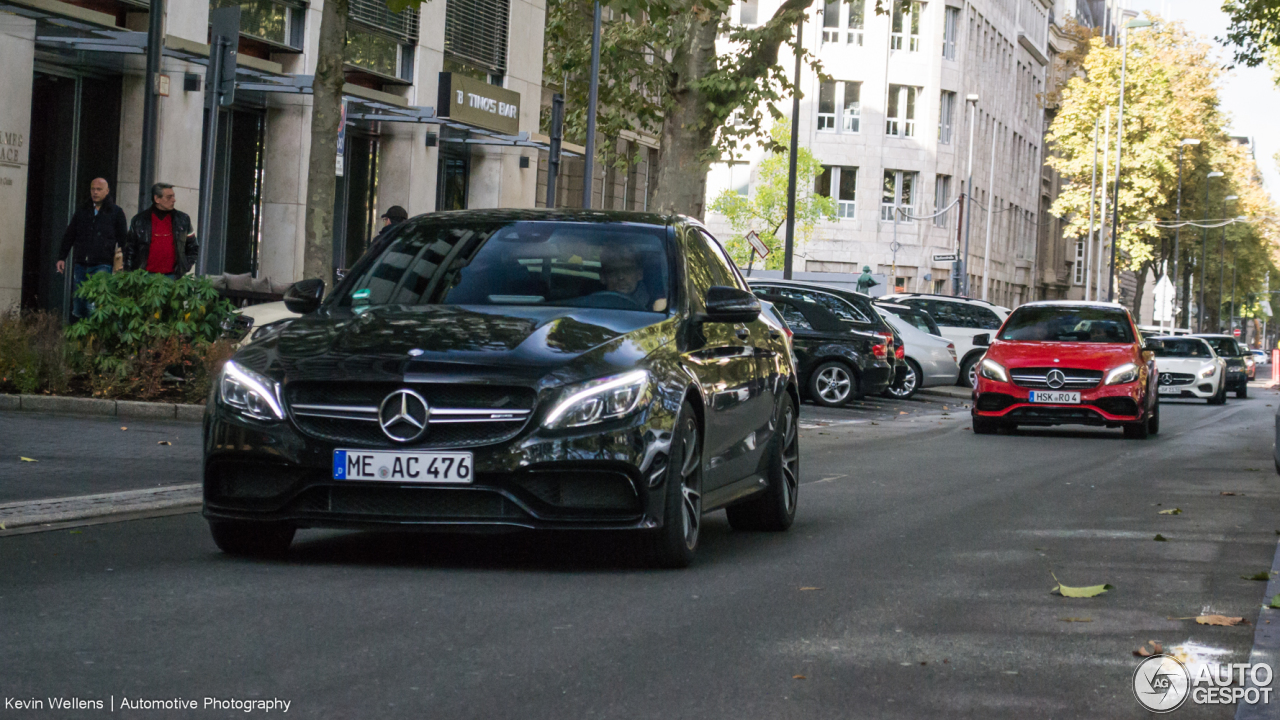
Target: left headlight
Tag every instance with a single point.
(1208, 370)
(251, 393)
(1126, 373)
(594, 401)
(992, 370)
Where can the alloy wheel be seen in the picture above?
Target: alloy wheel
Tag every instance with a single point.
(790, 459)
(690, 485)
(834, 384)
(908, 386)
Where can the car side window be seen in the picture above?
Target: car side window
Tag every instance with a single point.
(725, 265)
(795, 319)
(703, 269)
(838, 307)
(982, 318)
(948, 313)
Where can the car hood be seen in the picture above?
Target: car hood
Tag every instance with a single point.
(1084, 356)
(1182, 365)
(458, 343)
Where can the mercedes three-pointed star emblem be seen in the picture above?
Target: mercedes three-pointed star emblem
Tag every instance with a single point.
(403, 416)
(1055, 378)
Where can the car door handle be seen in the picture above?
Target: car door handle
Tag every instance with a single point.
(743, 333)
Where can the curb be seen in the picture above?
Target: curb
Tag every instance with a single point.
(97, 407)
(947, 391)
(19, 517)
(1266, 648)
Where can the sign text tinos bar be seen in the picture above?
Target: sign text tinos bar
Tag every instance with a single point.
(475, 102)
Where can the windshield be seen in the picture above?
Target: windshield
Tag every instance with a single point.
(1183, 348)
(1226, 347)
(561, 264)
(918, 318)
(1067, 324)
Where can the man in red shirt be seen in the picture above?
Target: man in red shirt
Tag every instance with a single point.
(161, 238)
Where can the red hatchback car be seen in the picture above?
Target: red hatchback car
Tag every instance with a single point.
(1067, 363)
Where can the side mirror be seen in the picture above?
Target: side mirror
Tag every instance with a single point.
(731, 305)
(304, 296)
(983, 340)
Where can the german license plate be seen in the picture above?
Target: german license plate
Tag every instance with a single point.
(1056, 397)
(412, 467)
(1170, 390)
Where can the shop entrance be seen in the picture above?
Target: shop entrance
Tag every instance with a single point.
(454, 173)
(237, 190)
(356, 198)
(75, 137)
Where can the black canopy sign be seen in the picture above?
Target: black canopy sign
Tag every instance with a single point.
(477, 103)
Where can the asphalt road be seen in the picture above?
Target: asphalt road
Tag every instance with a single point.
(915, 583)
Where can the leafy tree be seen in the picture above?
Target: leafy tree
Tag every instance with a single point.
(766, 210)
(1254, 29)
(677, 69)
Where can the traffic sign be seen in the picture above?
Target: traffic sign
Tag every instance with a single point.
(945, 257)
(758, 245)
(1235, 331)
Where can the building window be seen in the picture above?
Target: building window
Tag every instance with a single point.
(475, 33)
(845, 180)
(748, 10)
(847, 14)
(946, 111)
(950, 28)
(941, 196)
(380, 41)
(374, 52)
(1079, 270)
(279, 23)
(844, 95)
(901, 116)
(899, 193)
(906, 26)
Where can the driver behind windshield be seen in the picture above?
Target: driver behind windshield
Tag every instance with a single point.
(622, 272)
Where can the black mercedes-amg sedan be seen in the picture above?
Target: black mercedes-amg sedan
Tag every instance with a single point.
(512, 369)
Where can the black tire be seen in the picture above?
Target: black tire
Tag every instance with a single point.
(1137, 431)
(968, 371)
(775, 509)
(1221, 397)
(1153, 422)
(834, 384)
(985, 426)
(1242, 391)
(250, 539)
(909, 385)
(673, 545)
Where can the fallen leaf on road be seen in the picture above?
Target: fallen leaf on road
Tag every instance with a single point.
(799, 677)
(1171, 511)
(1260, 577)
(1252, 469)
(124, 428)
(1275, 602)
(1160, 538)
(1156, 649)
(164, 442)
(810, 588)
(1080, 592)
(27, 459)
(76, 532)
(1222, 620)
(1227, 492)
(902, 412)
(876, 423)
(1075, 619)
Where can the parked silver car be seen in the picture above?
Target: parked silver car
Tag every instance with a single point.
(931, 358)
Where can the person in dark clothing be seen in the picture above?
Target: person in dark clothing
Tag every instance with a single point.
(392, 218)
(161, 239)
(92, 236)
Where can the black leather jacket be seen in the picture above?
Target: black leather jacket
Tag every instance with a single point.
(94, 236)
(138, 247)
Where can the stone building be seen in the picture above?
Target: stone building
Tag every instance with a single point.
(74, 83)
(892, 130)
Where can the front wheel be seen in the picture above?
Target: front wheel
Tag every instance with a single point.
(1219, 398)
(969, 372)
(832, 384)
(1153, 422)
(1242, 391)
(910, 383)
(250, 539)
(673, 545)
(775, 509)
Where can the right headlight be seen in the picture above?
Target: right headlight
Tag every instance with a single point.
(993, 370)
(594, 401)
(252, 394)
(1126, 373)
(1207, 371)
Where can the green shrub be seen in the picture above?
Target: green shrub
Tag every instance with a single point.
(34, 354)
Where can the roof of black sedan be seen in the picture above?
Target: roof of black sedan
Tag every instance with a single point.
(558, 214)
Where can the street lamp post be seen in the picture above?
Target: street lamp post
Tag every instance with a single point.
(972, 99)
(1204, 249)
(1222, 258)
(789, 245)
(1177, 228)
(1093, 199)
(1115, 206)
(593, 93)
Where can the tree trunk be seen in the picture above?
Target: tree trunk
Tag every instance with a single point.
(1139, 286)
(326, 117)
(687, 137)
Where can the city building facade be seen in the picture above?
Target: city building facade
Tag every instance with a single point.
(75, 78)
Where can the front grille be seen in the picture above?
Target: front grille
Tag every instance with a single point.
(1073, 379)
(1055, 414)
(1173, 378)
(460, 415)
(412, 503)
(994, 402)
(582, 490)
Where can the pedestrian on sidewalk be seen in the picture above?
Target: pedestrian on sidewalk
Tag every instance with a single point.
(865, 281)
(161, 238)
(92, 236)
(391, 219)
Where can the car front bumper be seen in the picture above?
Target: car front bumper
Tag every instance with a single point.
(1104, 405)
(608, 477)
